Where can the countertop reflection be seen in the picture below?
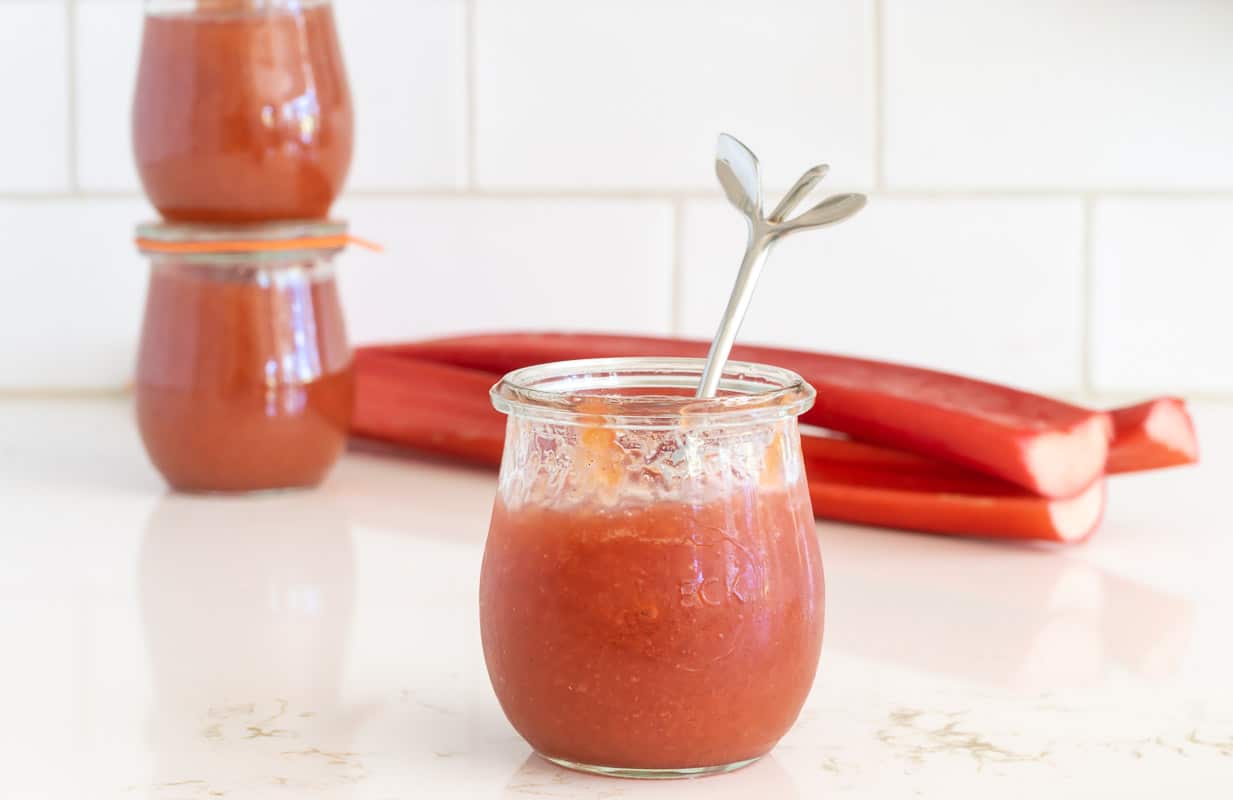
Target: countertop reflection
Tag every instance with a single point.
(989, 614)
(325, 644)
(537, 777)
(247, 607)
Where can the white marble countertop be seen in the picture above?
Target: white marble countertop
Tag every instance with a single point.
(325, 644)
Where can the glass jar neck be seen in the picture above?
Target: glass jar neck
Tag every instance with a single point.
(619, 432)
(650, 394)
(247, 269)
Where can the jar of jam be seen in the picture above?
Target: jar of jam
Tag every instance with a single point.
(242, 111)
(651, 597)
(244, 376)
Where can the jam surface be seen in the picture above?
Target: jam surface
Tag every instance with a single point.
(659, 635)
(242, 114)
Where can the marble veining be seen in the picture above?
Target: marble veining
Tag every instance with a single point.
(917, 735)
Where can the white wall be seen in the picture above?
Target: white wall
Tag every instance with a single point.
(1051, 181)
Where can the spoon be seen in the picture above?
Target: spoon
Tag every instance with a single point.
(737, 169)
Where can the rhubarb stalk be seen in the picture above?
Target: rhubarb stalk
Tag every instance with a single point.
(1046, 446)
(1152, 435)
(445, 410)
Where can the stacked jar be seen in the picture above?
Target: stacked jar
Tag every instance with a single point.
(242, 132)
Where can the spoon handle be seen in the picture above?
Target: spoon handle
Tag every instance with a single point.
(742, 292)
(737, 169)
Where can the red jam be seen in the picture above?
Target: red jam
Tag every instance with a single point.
(244, 379)
(242, 112)
(662, 635)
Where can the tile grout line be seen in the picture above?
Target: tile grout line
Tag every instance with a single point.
(877, 68)
(677, 310)
(70, 46)
(469, 82)
(681, 193)
(1088, 296)
(70, 393)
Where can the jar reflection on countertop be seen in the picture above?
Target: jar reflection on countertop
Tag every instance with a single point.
(278, 626)
(247, 609)
(244, 377)
(242, 111)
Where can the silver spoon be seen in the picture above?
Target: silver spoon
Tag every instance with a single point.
(737, 169)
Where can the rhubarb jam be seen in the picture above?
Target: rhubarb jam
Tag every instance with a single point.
(244, 377)
(651, 598)
(242, 111)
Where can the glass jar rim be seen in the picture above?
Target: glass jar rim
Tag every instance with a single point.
(565, 392)
(230, 237)
(267, 242)
(228, 7)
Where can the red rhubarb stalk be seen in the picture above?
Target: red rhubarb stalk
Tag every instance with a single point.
(837, 449)
(1152, 435)
(445, 410)
(432, 407)
(966, 504)
(874, 485)
(1049, 447)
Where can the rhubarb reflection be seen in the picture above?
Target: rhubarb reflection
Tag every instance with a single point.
(1027, 617)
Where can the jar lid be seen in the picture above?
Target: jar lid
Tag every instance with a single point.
(262, 237)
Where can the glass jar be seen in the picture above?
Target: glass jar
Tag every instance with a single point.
(242, 111)
(651, 598)
(244, 377)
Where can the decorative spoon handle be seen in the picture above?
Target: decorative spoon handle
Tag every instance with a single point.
(737, 169)
(756, 251)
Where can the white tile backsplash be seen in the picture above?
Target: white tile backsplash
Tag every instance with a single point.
(74, 318)
(632, 95)
(1054, 93)
(457, 264)
(108, 49)
(406, 60)
(992, 289)
(1162, 295)
(34, 68)
(548, 163)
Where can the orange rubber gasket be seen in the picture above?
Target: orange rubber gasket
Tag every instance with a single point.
(257, 245)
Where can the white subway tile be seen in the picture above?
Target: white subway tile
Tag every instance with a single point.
(406, 60)
(990, 288)
(33, 60)
(454, 265)
(628, 95)
(72, 318)
(1054, 93)
(1163, 290)
(108, 49)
